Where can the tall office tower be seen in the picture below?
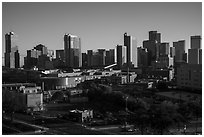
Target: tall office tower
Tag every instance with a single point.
(195, 53)
(12, 57)
(84, 60)
(101, 55)
(72, 48)
(110, 57)
(172, 52)
(152, 46)
(195, 42)
(41, 48)
(193, 56)
(179, 50)
(164, 49)
(8, 39)
(107, 58)
(155, 39)
(154, 36)
(89, 58)
(142, 57)
(121, 55)
(60, 54)
(131, 45)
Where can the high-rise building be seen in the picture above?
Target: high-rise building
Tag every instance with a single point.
(31, 59)
(72, 48)
(154, 36)
(41, 48)
(142, 57)
(101, 55)
(164, 49)
(193, 56)
(121, 55)
(39, 57)
(12, 57)
(84, 60)
(130, 43)
(152, 46)
(89, 58)
(195, 42)
(110, 57)
(172, 52)
(195, 53)
(179, 50)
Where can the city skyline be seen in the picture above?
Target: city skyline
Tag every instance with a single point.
(99, 25)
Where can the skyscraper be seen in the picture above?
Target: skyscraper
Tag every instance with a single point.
(164, 49)
(84, 60)
(121, 55)
(152, 46)
(12, 57)
(195, 42)
(89, 58)
(41, 48)
(142, 57)
(127, 43)
(179, 50)
(72, 48)
(101, 57)
(195, 53)
(110, 57)
(131, 45)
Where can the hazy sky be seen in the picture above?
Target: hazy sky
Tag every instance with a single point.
(100, 25)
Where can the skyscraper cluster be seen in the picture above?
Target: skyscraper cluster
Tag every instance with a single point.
(154, 53)
(39, 57)
(99, 58)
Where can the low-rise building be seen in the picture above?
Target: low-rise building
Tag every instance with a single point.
(81, 115)
(25, 98)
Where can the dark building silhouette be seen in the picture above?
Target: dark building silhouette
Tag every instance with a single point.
(101, 57)
(196, 42)
(127, 43)
(131, 51)
(195, 53)
(152, 46)
(60, 55)
(142, 57)
(121, 55)
(179, 51)
(84, 60)
(89, 58)
(41, 48)
(110, 57)
(12, 57)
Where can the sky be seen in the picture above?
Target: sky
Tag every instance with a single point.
(99, 25)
